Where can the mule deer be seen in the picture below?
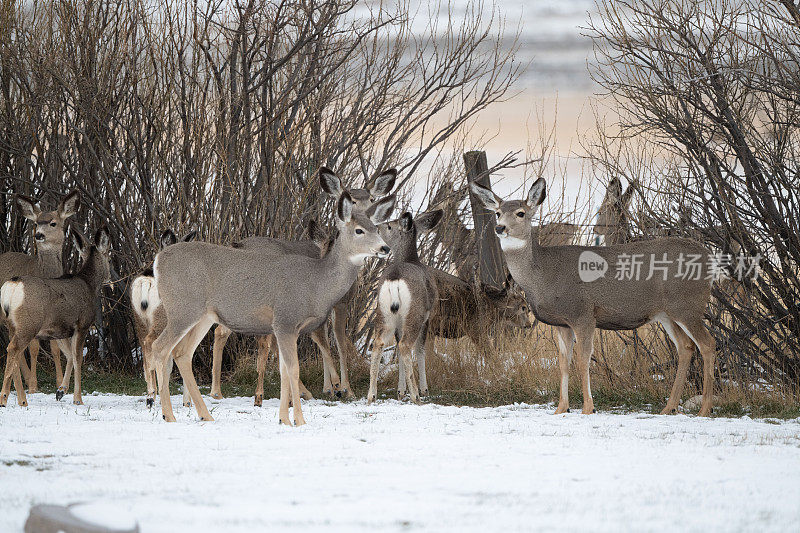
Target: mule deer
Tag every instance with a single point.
(576, 305)
(466, 310)
(255, 293)
(407, 295)
(46, 262)
(148, 315)
(362, 198)
(60, 309)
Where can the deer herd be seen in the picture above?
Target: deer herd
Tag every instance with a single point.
(277, 290)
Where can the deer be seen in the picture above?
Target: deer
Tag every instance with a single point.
(613, 220)
(62, 309)
(407, 295)
(254, 293)
(375, 189)
(45, 262)
(559, 296)
(148, 315)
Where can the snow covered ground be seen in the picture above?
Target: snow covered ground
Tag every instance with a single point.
(399, 467)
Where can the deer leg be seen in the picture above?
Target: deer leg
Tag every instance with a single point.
(320, 338)
(404, 351)
(566, 342)
(345, 347)
(62, 390)
(707, 345)
(13, 353)
(287, 352)
(402, 385)
(264, 347)
(585, 345)
(182, 354)
(685, 347)
(419, 350)
(77, 356)
(33, 349)
(55, 351)
(148, 378)
(163, 348)
(374, 366)
(221, 334)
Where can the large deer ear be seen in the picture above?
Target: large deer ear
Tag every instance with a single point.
(29, 207)
(427, 221)
(81, 244)
(168, 238)
(102, 240)
(344, 207)
(486, 196)
(625, 199)
(614, 188)
(69, 205)
(380, 211)
(383, 183)
(330, 182)
(537, 193)
(189, 236)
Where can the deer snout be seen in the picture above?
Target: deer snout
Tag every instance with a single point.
(383, 251)
(39, 236)
(499, 229)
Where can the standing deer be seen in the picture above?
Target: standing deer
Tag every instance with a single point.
(253, 293)
(60, 309)
(559, 296)
(148, 315)
(362, 199)
(407, 295)
(46, 262)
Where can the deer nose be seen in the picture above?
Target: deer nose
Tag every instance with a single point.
(385, 249)
(499, 229)
(39, 236)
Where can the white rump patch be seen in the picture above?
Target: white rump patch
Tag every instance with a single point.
(144, 298)
(12, 294)
(394, 298)
(511, 243)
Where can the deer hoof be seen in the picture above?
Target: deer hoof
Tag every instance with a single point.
(258, 400)
(23, 404)
(77, 402)
(149, 403)
(217, 396)
(59, 394)
(339, 394)
(423, 392)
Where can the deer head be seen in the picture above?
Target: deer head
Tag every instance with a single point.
(514, 217)
(358, 232)
(377, 187)
(50, 225)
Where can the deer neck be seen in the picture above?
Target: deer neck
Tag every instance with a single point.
(523, 261)
(338, 271)
(92, 271)
(405, 251)
(48, 261)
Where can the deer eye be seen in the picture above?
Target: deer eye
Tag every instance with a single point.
(53, 224)
(497, 214)
(359, 231)
(389, 227)
(520, 214)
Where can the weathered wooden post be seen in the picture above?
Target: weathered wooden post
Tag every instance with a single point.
(491, 267)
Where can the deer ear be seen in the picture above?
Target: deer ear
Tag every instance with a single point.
(69, 205)
(330, 182)
(428, 221)
(485, 195)
(168, 238)
(344, 207)
(29, 207)
(406, 222)
(537, 193)
(315, 233)
(79, 240)
(102, 240)
(383, 184)
(189, 236)
(614, 188)
(380, 211)
(625, 199)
